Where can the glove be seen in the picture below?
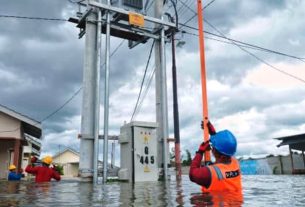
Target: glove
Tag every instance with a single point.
(33, 159)
(204, 147)
(211, 128)
(55, 168)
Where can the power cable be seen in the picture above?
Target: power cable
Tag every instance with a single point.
(150, 53)
(68, 100)
(184, 9)
(146, 90)
(250, 45)
(248, 52)
(181, 24)
(256, 57)
(247, 44)
(33, 18)
(76, 2)
(211, 2)
(51, 114)
(229, 42)
(181, 7)
(62, 106)
(195, 14)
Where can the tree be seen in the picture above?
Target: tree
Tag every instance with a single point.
(188, 160)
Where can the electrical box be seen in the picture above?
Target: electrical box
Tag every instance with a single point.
(130, 5)
(139, 158)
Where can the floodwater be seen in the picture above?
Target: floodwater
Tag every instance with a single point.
(258, 190)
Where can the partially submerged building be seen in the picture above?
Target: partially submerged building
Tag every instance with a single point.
(69, 160)
(20, 138)
(296, 144)
(293, 163)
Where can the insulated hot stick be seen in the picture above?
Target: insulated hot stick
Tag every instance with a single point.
(207, 154)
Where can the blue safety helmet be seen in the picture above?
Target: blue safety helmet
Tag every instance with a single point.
(224, 142)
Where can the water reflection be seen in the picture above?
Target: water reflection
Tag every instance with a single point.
(257, 190)
(216, 199)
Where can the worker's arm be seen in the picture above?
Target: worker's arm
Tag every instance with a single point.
(198, 174)
(31, 169)
(56, 175)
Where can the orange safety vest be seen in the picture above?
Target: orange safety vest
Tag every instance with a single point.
(225, 177)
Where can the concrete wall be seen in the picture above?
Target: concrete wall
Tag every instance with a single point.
(272, 165)
(5, 156)
(11, 124)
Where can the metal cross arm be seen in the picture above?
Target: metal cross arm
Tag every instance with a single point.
(122, 11)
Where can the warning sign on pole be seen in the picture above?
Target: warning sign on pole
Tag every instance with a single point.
(136, 19)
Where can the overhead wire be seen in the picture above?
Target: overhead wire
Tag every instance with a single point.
(181, 24)
(33, 18)
(62, 106)
(146, 90)
(143, 79)
(256, 57)
(195, 14)
(181, 7)
(68, 100)
(251, 54)
(76, 2)
(238, 43)
(242, 44)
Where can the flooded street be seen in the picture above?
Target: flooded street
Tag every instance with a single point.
(258, 190)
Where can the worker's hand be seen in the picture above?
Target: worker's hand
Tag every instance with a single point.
(54, 167)
(33, 159)
(211, 128)
(21, 171)
(204, 147)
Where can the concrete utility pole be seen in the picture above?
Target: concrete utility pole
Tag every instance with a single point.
(161, 94)
(90, 104)
(90, 25)
(106, 96)
(176, 108)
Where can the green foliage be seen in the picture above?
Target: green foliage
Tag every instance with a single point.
(59, 169)
(188, 160)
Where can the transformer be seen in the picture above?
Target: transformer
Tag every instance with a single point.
(139, 157)
(130, 5)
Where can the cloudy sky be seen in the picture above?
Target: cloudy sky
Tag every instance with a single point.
(258, 95)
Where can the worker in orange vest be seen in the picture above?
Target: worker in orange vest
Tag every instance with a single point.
(224, 174)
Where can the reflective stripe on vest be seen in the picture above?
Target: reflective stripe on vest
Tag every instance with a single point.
(225, 177)
(218, 172)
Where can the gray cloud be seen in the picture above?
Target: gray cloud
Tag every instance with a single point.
(41, 66)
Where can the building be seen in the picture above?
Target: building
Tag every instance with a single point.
(19, 138)
(69, 159)
(296, 144)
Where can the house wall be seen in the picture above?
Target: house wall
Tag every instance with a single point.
(66, 157)
(70, 163)
(5, 146)
(71, 169)
(11, 124)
